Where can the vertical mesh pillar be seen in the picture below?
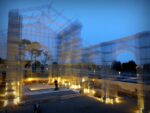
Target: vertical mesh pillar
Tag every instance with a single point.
(13, 71)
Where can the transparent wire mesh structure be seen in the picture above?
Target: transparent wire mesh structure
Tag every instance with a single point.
(40, 27)
(70, 44)
(105, 53)
(3, 44)
(85, 69)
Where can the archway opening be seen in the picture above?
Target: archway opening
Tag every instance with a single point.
(125, 64)
(125, 57)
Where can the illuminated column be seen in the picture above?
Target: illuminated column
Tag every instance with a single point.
(143, 99)
(146, 102)
(140, 99)
(143, 92)
(13, 63)
(144, 59)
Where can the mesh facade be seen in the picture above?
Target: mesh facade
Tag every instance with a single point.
(69, 44)
(3, 44)
(105, 53)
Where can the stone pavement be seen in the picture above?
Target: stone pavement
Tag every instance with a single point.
(49, 96)
(80, 104)
(71, 102)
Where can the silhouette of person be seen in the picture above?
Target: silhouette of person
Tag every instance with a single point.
(56, 84)
(5, 111)
(36, 108)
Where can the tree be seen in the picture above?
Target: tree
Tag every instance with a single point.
(125, 67)
(2, 64)
(46, 55)
(132, 66)
(2, 61)
(129, 67)
(36, 65)
(116, 65)
(2, 72)
(24, 43)
(34, 50)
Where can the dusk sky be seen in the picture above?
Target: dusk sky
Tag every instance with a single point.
(102, 20)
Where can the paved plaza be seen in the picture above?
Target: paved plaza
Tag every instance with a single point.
(65, 102)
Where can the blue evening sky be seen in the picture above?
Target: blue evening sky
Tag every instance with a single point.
(102, 20)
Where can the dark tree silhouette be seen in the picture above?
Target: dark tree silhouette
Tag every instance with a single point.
(129, 67)
(2, 61)
(36, 65)
(2, 72)
(116, 65)
(125, 67)
(132, 66)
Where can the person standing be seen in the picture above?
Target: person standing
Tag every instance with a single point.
(36, 108)
(56, 84)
